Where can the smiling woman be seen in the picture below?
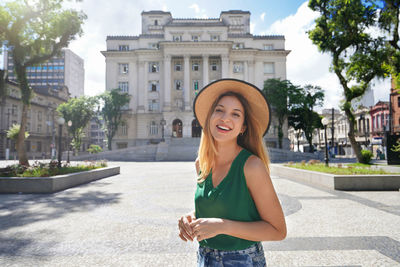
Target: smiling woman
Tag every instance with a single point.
(236, 206)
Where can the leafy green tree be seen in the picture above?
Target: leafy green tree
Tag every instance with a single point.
(13, 132)
(282, 95)
(94, 149)
(79, 111)
(35, 31)
(357, 57)
(302, 115)
(112, 109)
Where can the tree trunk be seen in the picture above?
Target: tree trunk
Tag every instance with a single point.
(109, 139)
(280, 136)
(26, 93)
(23, 159)
(353, 142)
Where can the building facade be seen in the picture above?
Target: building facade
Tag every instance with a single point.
(172, 59)
(41, 123)
(66, 69)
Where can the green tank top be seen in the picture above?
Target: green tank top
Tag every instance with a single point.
(231, 200)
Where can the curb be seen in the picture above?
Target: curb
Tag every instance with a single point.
(46, 185)
(389, 182)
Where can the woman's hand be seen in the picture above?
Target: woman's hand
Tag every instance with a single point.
(205, 228)
(185, 230)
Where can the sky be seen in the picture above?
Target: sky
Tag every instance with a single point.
(291, 18)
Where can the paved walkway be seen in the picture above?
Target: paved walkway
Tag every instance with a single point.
(131, 220)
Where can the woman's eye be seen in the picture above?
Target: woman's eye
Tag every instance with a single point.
(218, 110)
(236, 115)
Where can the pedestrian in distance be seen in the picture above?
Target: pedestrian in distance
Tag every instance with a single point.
(236, 206)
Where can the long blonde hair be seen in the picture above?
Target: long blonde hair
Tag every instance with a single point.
(251, 139)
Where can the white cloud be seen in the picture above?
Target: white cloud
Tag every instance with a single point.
(200, 12)
(196, 8)
(262, 16)
(305, 64)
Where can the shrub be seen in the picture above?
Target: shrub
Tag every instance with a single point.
(366, 156)
(94, 149)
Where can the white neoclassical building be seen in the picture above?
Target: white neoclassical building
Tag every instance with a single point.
(172, 59)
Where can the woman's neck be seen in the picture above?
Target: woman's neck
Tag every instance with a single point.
(227, 152)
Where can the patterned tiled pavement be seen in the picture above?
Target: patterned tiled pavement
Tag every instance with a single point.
(131, 220)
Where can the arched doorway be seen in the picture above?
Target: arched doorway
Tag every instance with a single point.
(196, 129)
(177, 128)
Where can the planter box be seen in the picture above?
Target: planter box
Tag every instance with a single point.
(340, 182)
(45, 185)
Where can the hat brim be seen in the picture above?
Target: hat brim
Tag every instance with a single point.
(259, 104)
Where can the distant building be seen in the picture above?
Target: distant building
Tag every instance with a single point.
(41, 120)
(395, 108)
(172, 59)
(96, 132)
(66, 69)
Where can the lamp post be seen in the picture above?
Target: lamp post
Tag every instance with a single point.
(68, 143)
(162, 122)
(60, 122)
(325, 122)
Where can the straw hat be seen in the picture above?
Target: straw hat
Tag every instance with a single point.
(206, 97)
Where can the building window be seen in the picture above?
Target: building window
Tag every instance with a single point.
(237, 67)
(178, 84)
(39, 116)
(269, 68)
(268, 47)
(154, 86)
(195, 38)
(124, 129)
(195, 85)
(214, 66)
(179, 103)
(153, 105)
(123, 68)
(123, 86)
(39, 147)
(178, 67)
(39, 128)
(14, 110)
(195, 66)
(153, 128)
(156, 22)
(214, 38)
(123, 47)
(28, 146)
(28, 126)
(154, 67)
(238, 46)
(154, 46)
(177, 38)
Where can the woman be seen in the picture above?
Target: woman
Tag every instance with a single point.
(236, 206)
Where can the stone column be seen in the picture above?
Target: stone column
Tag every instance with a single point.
(251, 71)
(225, 66)
(246, 71)
(167, 83)
(141, 87)
(133, 76)
(205, 70)
(146, 86)
(259, 74)
(186, 83)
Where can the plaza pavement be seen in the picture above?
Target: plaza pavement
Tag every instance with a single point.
(131, 220)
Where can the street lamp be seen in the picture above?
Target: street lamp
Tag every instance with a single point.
(60, 122)
(325, 122)
(162, 122)
(68, 143)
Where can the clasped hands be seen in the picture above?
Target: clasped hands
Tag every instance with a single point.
(202, 228)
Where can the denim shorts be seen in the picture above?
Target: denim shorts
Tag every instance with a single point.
(251, 256)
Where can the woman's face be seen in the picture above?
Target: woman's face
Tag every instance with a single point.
(227, 119)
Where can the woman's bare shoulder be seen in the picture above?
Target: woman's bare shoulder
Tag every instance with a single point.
(254, 168)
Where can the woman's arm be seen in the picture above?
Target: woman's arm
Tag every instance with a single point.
(272, 225)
